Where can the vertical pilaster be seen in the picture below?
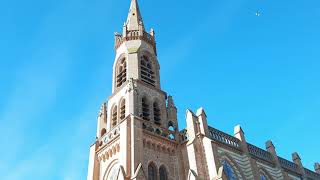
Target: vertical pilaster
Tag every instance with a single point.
(272, 150)
(203, 124)
(93, 167)
(192, 125)
(136, 144)
(209, 149)
(133, 61)
(192, 130)
(297, 160)
(125, 145)
(239, 134)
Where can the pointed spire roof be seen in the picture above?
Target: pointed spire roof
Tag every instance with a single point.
(134, 17)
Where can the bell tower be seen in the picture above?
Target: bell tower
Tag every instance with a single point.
(137, 133)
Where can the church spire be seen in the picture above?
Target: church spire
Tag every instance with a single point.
(134, 19)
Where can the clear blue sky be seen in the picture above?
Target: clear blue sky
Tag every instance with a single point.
(57, 55)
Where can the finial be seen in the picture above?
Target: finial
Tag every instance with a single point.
(152, 32)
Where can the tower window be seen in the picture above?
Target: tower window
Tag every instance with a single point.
(123, 109)
(156, 113)
(171, 126)
(263, 176)
(145, 109)
(114, 119)
(152, 172)
(163, 173)
(122, 73)
(146, 70)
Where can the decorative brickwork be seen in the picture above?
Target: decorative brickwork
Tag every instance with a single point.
(138, 135)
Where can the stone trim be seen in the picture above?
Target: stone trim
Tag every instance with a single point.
(227, 157)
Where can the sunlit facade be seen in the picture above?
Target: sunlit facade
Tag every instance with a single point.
(138, 137)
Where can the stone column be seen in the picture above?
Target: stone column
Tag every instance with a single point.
(94, 164)
(239, 134)
(317, 168)
(297, 160)
(192, 145)
(272, 150)
(202, 119)
(210, 154)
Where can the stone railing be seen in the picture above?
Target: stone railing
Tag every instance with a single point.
(157, 130)
(134, 35)
(312, 175)
(224, 138)
(260, 153)
(288, 165)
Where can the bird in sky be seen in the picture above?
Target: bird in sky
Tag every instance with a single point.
(258, 13)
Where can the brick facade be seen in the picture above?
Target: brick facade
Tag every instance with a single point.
(138, 138)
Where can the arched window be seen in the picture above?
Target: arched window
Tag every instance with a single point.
(229, 170)
(163, 173)
(113, 173)
(114, 119)
(156, 113)
(123, 109)
(152, 172)
(103, 132)
(122, 73)
(263, 177)
(171, 126)
(145, 109)
(146, 70)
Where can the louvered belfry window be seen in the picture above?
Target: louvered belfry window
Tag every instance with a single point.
(156, 113)
(145, 109)
(123, 109)
(146, 70)
(122, 73)
(114, 119)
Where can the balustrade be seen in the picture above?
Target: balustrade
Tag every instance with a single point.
(260, 153)
(312, 175)
(224, 138)
(134, 35)
(288, 164)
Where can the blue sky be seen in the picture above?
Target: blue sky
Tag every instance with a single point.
(56, 61)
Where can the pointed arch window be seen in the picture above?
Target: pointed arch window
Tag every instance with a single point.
(103, 132)
(163, 173)
(263, 177)
(145, 109)
(113, 174)
(152, 172)
(229, 171)
(123, 109)
(156, 113)
(171, 126)
(122, 73)
(114, 119)
(146, 71)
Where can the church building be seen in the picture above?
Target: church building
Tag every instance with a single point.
(138, 136)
